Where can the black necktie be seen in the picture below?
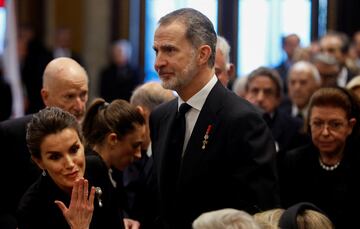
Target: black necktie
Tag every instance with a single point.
(300, 115)
(175, 150)
(180, 126)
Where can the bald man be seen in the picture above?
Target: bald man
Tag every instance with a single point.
(65, 85)
(147, 97)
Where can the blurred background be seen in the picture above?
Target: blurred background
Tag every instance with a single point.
(88, 29)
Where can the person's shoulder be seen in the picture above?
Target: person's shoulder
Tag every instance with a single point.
(237, 106)
(300, 153)
(93, 160)
(95, 168)
(286, 119)
(16, 121)
(164, 108)
(33, 196)
(15, 125)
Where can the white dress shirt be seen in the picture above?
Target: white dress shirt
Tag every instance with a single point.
(196, 102)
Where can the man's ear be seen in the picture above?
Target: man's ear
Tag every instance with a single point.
(204, 54)
(44, 96)
(38, 161)
(141, 110)
(352, 123)
(144, 112)
(231, 71)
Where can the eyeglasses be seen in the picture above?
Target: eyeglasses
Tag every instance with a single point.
(332, 125)
(268, 92)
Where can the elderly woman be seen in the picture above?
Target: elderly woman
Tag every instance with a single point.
(55, 143)
(326, 172)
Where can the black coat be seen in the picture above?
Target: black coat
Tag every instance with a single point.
(38, 210)
(17, 171)
(235, 170)
(335, 192)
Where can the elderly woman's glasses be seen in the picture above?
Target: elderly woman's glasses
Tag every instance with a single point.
(332, 125)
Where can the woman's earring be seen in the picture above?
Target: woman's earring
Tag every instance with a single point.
(43, 173)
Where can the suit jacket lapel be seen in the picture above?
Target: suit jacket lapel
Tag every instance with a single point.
(208, 117)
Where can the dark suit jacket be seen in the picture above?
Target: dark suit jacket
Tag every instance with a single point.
(283, 69)
(287, 131)
(5, 99)
(235, 170)
(140, 189)
(17, 171)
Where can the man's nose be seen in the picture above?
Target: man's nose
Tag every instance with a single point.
(159, 62)
(260, 96)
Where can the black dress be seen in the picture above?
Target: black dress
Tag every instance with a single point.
(38, 210)
(336, 192)
(110, 215)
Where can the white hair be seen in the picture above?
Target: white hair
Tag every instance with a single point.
(225, 218)
(224, 46)
(306, 66)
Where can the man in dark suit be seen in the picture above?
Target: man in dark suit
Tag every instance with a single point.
(227, 156)
(337, 44)
(303, 80)
(119, 78)
(65, 85)
(289, 44)
(264, 89)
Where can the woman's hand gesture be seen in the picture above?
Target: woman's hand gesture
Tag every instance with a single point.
(81, 207)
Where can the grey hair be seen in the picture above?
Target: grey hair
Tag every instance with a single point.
(302, 66)
(239, 85)
(225, 48)
(199, 29)
(225, 218)
(150, 95)
(272, 74)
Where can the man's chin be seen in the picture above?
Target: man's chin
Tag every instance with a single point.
(168, 84)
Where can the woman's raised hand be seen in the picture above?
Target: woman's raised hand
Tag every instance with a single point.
(81, 207)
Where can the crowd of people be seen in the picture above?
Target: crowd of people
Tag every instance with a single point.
(280, 152)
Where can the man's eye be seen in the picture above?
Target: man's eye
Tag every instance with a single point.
(169, 49)
(83, 96)
(69, 97)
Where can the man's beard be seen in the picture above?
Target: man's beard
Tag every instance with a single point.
(183, 78)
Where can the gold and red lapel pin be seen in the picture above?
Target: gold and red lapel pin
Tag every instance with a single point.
(206, 137)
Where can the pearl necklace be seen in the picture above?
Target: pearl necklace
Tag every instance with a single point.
(328, 168)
